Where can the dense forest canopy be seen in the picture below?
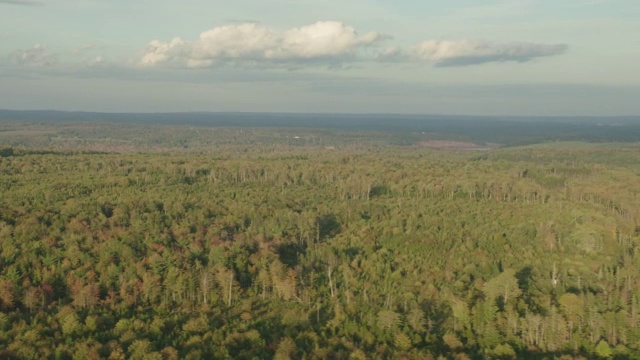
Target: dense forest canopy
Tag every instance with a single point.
(125, 240)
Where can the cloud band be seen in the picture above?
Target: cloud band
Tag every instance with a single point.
(447, 53)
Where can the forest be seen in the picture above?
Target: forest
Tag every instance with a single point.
(164, 241)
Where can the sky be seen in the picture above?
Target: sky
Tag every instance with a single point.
(476, 57)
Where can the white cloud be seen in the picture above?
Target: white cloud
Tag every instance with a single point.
(247, 44)
(324, 39)
(98, 61)
(445, 53)
(325, 43)
(37, 56)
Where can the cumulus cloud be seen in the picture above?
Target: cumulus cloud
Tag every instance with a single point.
(37, 56)
(444, 53)
(249, 44)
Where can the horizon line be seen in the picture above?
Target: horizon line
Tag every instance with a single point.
(213, 112)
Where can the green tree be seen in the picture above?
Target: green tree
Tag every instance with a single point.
(503, 286)
(603, 350)
(286, 349)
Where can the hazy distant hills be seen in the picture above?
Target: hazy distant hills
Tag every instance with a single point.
(504, 130)
(392, 121)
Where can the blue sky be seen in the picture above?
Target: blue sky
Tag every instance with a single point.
(508, 57)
